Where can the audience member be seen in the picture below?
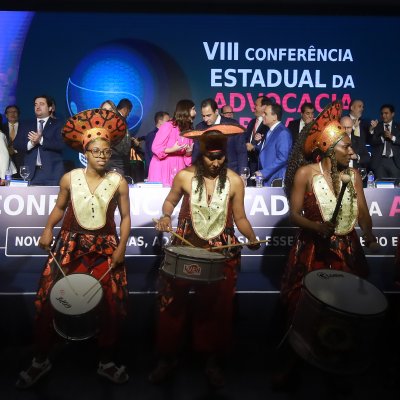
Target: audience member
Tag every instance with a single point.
(159, 118)
(306, 116)
(227, 111)
(255, 133)
(385, 144)
(275, 148)
(236, 153)
(360, 157)
(10, 129)
(362, 127)
(119, 160)
(41, 144)
(171, 151)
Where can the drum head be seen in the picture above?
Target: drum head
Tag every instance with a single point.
(345, 292)
(67, 295)
(194, 252)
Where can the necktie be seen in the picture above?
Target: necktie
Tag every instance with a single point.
(256, 126)
(388, 146)
(12, 132)
(356, 130)
(41, 125)
(40, 130)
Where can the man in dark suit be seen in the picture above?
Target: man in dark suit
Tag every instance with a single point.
(159, 118)
(275, 149)
(361, 157)
(255, 133)
(41, 143)
(306, 116)
(362, 127)
(10, 129)
(236, 152)
(385, 144)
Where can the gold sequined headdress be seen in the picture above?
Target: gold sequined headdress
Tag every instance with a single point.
(325, 131)
(88, 125)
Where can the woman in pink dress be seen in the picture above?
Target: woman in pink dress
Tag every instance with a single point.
(172, 152)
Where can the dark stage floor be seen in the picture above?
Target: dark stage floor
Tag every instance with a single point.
(248, 369)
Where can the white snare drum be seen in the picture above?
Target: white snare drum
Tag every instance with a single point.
(76, 315)
(337, 320)
(193, 263)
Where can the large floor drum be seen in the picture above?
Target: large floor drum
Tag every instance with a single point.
(76, 315)
(337, 320)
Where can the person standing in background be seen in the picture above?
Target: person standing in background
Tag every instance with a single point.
(171, 151)
(41, 144)
(159, 118)
(119, 160)
(10, 129)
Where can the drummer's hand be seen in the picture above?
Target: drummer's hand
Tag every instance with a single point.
(164, 224)
(118, 257)
(46, 239)
(254, 246)
(326, 229)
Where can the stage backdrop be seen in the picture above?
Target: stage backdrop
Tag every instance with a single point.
(24, 212)
(154, 60)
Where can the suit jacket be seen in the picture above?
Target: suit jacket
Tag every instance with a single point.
(50, 151)
(17, 158)
(274, 154)
(294, 127)
(149, 139)
(236, 151)
(377, 145)
(252, 156)
(359, 147)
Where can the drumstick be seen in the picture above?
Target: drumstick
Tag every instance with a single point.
(238, 244)
(65, 276)
(345, 180)
(97, 282)
(176, 235)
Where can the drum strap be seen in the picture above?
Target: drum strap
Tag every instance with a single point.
(90, 209)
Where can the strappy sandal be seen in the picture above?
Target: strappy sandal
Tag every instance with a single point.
(29, 377)
(163, 371)
(112, 372)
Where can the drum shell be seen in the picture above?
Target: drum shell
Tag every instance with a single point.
(78, 326)
(332, 339)
(193, 267)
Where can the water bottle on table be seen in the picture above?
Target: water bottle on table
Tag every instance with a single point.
(7, 177)
(370, 180)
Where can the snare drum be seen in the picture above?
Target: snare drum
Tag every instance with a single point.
(76, 315)
(337, 320)
(193, 263)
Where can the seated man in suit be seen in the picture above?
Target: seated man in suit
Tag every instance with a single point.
(385, 144)
(275, 149)
(236, 153)
(306, 116)
(41, 143)
(360, 157)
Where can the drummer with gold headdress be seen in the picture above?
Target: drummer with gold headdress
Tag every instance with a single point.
(88, 242)
(213, 199)
(318, 171)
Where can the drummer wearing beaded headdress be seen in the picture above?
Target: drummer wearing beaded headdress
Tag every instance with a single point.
(318, 168)
(88, 242)
(213, 199)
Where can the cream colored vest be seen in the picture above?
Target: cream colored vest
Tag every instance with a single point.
(326, 201)
(209, 219)
(90, 209)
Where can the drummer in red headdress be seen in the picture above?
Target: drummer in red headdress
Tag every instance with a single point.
(213, 199)
(317, 169)
(88, 242)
